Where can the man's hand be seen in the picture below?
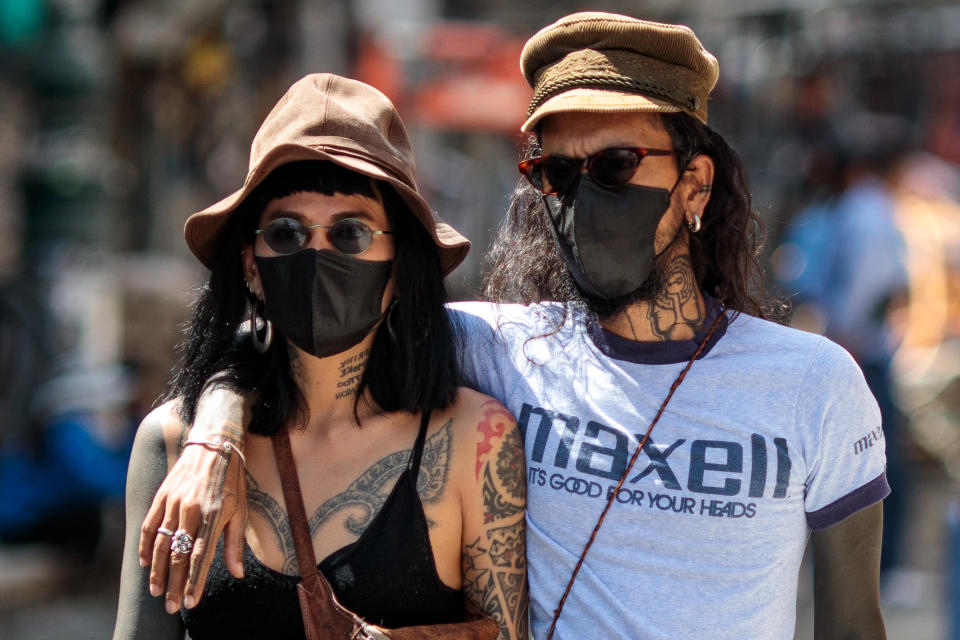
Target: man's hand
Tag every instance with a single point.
(204, 494)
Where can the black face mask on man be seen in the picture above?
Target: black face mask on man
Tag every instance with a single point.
(323, 301)
(606, 236)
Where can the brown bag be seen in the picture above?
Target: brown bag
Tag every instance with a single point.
(323, 617)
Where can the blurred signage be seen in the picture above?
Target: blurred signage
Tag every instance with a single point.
(467, 77)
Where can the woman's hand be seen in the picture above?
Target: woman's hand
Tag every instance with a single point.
(203, 494)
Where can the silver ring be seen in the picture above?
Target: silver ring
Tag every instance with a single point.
(164, 531)
(182, 542)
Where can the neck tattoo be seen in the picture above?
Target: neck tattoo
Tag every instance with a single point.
(676, 306)
(351, 370)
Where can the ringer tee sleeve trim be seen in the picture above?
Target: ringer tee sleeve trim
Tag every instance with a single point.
(860, 498)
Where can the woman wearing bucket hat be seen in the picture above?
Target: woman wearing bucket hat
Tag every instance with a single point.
(326, 296)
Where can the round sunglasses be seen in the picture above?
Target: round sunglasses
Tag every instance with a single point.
(611, 168)
(348, 235)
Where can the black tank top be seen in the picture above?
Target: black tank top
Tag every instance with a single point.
(387, 576)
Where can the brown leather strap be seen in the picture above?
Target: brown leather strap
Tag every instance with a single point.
(626, 472)
(302, 542)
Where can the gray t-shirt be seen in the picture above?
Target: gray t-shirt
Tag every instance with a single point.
(773, 433)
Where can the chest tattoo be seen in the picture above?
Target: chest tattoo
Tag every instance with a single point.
(367, 493)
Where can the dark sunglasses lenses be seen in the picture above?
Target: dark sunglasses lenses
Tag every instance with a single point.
(556, 174)
(350, 236)
(286, 235)
(613, 167)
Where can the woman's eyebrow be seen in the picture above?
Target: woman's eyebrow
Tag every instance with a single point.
(340, 215)
(359, 213)
(283, 213)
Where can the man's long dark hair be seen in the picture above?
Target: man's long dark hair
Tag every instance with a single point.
(412, 364)
(524, 264)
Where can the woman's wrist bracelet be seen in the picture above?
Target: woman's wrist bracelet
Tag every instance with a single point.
(219, 444)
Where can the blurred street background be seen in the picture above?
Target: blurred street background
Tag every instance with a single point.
(120, 118)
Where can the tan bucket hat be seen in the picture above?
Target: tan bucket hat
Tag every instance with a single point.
(597, 62)
(327, 117)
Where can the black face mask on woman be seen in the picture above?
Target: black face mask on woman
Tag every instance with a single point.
(606, 235)
(323, 301)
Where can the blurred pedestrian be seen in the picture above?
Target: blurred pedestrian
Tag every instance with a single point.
(849, 278)
(56, 467)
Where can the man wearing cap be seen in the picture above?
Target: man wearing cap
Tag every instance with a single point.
(680, 449)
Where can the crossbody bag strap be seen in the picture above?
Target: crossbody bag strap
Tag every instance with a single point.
(626, 472)
(302, 542)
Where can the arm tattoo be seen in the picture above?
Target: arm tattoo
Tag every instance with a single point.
(369, 492)
(494, 423)
(510, 466)
(478, 583)
(494, 505)
(508, 546)
(500, 591)
(509, 555)
(676, 306)
(495, 564)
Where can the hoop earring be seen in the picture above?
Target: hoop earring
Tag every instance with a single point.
(264, 346)
(695, 225)
(390, 329)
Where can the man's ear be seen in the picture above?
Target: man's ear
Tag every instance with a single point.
(697, 182)
(250, 273)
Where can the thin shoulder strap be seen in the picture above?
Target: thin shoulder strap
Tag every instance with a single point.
(418, 445)
(293, 499)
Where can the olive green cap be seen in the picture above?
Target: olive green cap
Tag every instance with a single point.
(598, 62)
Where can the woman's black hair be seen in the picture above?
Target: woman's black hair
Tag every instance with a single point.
(412, 364)
(525, 265)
